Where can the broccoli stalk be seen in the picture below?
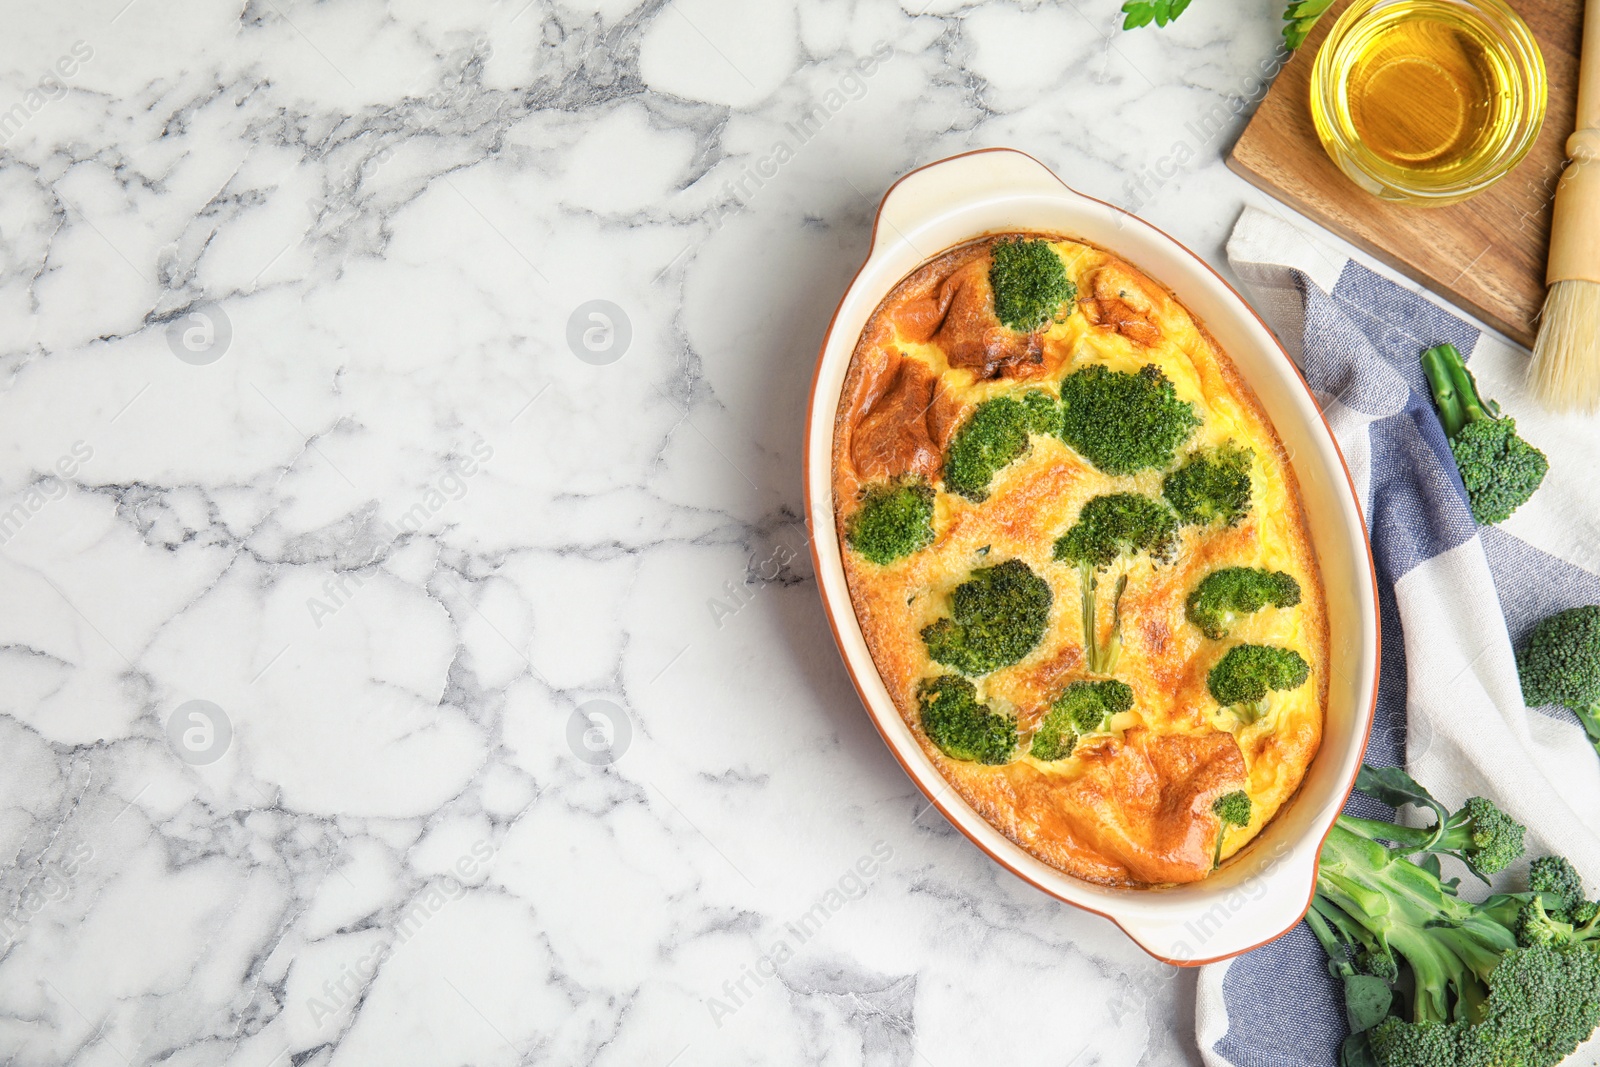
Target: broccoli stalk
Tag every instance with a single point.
(1560, 664)
(1113, 529)
(1433, 980)
(1499, 469)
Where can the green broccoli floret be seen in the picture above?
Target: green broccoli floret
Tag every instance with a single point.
(1231, 809)
(1124, 423)
(1560, 664)
(1212, 486)
(994, 436)
(1483, 985)
(893, 521)
(1044, 411)
(1554, 878)
(963, 728)
(1113, 529)
(1499, 469)
(1083, 708)
(1030, 283)
(1224, 595)
(996, 617)
(1247, 674)
(1538, 1005)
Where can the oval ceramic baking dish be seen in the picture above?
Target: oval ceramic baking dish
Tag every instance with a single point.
(1263, 891)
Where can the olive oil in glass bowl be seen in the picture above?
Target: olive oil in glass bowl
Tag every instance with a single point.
(1428, 101)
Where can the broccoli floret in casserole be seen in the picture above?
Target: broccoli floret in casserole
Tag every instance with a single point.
(1113, 529)
(1082, 708)
(1224, 595)
(996, 617)
(1044, 411)
(1447, 982)
(893, 521)
(1232, 810)
(1212, 487)
(961, 727)
(1124, 423)
(995, 435)
(1247, 674)
(1030, 283)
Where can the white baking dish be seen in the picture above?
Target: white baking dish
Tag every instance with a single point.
(1260, 894)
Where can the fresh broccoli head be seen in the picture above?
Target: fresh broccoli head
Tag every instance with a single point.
(1499, 469)
(1231, 809)
(1538, 1004)
(1244, 677)
(1224, 595)
(1030, 283)
(963, 728)
(1124, 423)
(1560, 664)
(996, 617)
(893, 521)
(1083, 708)
(1212, 486)
(1111, 529)
(1557, 881)
(1479, 834)
(1455, 983)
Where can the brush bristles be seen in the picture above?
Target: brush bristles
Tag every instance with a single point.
(1565, 374)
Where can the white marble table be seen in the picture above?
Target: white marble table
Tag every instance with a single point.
(325, 507)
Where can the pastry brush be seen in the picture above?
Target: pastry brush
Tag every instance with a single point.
(1565, 373)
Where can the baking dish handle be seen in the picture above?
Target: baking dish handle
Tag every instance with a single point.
(1256, 898)
(919, 201)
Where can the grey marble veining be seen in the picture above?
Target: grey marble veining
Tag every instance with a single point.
(403, 665)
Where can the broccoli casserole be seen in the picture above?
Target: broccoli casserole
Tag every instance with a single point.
(1077, 553)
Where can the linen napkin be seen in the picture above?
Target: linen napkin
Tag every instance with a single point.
(1456, 599)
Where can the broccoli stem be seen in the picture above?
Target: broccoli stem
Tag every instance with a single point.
(1113, 649)
(1455, 390)
(1088, 579)
(1100, 659)
(1590, 718)
(1449, 943)
(1411, 839)
(1338, 958)
(1467, 386)
(1436, 364)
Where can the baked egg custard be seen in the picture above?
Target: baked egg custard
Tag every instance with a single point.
(1077, 552)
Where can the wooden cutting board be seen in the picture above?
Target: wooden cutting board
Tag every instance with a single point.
(1485, 254)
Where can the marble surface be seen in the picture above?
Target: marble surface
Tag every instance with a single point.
(402, 664)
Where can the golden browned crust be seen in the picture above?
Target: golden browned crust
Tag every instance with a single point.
(1131, 807)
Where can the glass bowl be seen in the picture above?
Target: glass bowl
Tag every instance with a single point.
(1466, 132)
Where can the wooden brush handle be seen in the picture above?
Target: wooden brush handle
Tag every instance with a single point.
(1575, 227)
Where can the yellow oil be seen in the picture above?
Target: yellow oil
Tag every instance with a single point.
(1428, 93)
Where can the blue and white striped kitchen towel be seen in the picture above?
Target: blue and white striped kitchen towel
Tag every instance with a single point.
(1455, 600)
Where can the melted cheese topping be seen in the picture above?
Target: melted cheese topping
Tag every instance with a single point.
(1133, 806)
